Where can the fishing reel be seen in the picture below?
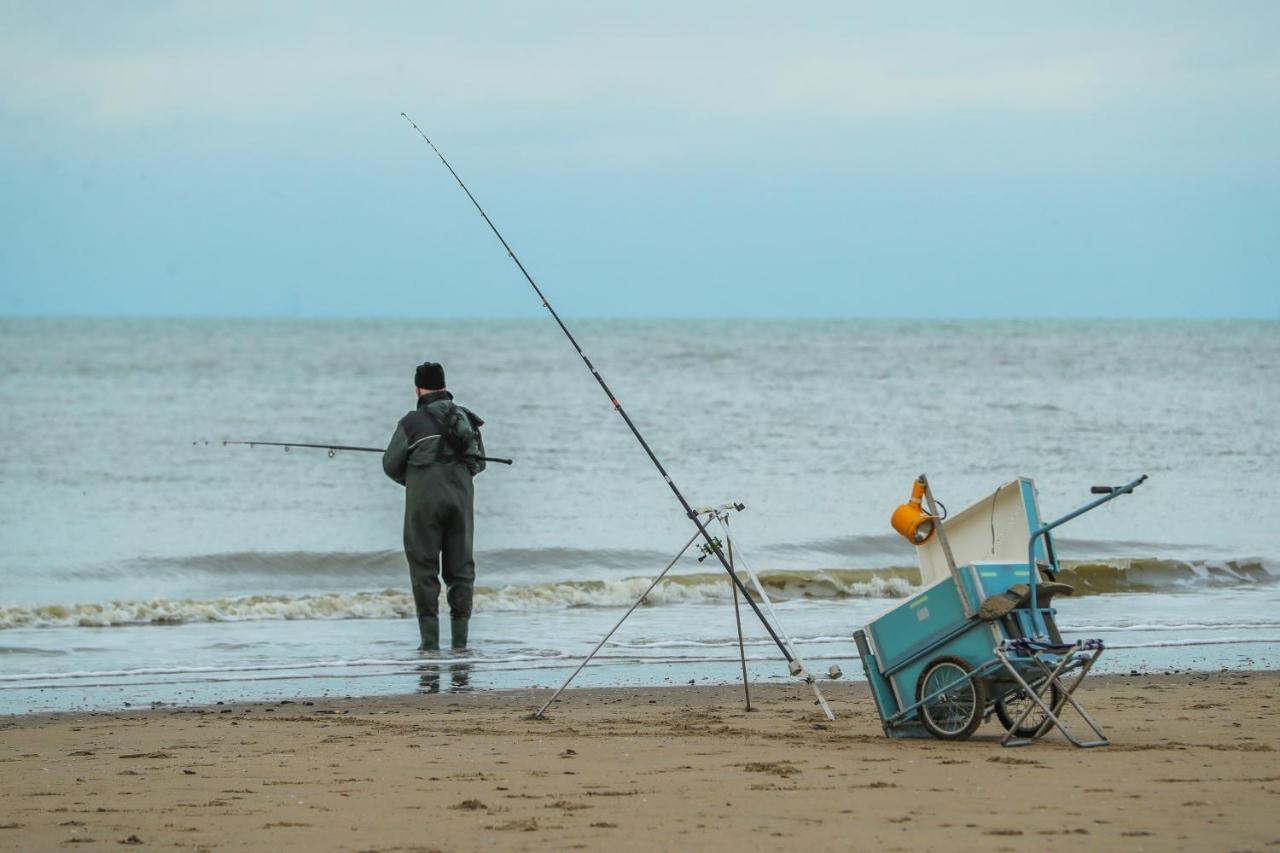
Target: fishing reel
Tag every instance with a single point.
(709, 548)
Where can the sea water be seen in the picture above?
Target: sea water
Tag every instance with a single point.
(141, 565)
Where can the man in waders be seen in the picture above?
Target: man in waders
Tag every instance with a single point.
(434, 452)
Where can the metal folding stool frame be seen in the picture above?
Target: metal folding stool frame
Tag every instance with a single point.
(1077, 658)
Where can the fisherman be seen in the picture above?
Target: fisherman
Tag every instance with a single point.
(434, 452)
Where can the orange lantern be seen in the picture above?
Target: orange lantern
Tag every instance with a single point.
(911, 520)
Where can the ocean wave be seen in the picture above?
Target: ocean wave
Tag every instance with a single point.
(1088, 578)
(290, 666)
(1181, 627)
(169, 611)
(1157, 575)
(703, 587)
(396, 604)
(375, 565)
(1215, 641)
(22, 650)
(877, 552)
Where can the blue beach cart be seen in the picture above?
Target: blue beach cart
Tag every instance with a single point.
(981, 637)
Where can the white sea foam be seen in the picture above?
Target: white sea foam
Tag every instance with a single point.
(1150, 627)
(279, 666)
(377, 668)
(394, 604)
(817, 585)
(1214, 641)
(165, 611)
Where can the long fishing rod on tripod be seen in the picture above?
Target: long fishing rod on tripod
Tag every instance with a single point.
(712, 544)
(332, 448)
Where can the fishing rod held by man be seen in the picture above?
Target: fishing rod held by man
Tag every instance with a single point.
(332, 448)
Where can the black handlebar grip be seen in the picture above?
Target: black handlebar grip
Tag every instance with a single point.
(1102, 490)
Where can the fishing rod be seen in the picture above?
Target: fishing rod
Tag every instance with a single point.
(332, 448)
(712, 543)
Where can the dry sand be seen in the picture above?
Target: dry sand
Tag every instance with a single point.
(1193, 766)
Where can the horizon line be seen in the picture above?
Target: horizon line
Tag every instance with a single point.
(981, 318)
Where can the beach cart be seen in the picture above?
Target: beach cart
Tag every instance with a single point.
(981, 638)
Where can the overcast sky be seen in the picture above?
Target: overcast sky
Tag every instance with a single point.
(647, 159)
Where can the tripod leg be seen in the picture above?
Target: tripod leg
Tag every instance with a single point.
(630, 610)
(797, 665)
(737, 617)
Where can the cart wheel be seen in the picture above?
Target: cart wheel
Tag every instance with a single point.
(1010, 706)
(956, 712)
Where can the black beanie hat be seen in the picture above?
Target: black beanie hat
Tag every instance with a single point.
(429, 375)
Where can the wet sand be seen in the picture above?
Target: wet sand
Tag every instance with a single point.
(1193, 766)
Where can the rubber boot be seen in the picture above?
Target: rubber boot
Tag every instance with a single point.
(458, 632)
(429, 628)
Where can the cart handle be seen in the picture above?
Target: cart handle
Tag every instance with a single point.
(1108, 493)
(1117, 490)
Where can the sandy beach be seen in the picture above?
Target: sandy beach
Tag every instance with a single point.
(1192, 767)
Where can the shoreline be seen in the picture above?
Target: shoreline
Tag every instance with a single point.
(1191, 766)
(422, 675)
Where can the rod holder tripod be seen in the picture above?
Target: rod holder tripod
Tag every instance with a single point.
(718, 514)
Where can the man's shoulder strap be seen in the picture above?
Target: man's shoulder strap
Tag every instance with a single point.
(418, 425)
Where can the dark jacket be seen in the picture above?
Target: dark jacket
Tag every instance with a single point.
(437, 432)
